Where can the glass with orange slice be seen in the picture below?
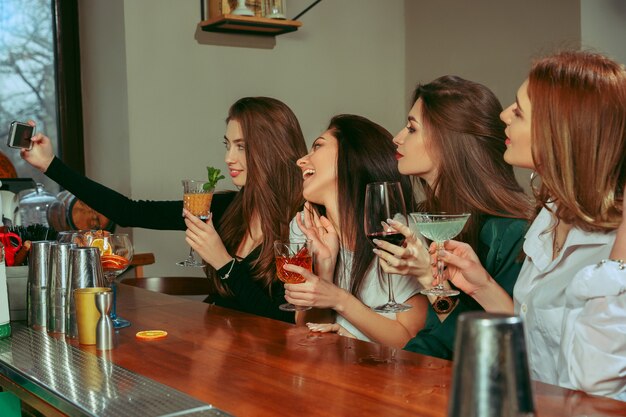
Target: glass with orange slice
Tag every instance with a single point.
(116, 253)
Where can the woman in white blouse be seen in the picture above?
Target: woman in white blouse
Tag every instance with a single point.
(568, 123)
(351, 153)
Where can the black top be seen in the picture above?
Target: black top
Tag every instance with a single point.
(250, 295)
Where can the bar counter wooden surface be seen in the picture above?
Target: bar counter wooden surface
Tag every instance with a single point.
(253, 366)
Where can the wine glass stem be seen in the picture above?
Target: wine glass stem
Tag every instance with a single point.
(440, 266)
(113, 307)
(392, 298)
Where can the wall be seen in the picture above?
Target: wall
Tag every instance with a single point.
(604, 27)
(105, 102)
(488, 41)
(157, 89)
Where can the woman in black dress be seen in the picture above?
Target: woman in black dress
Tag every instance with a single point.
(263, 140)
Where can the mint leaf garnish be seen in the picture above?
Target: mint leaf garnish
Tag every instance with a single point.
(213, 177)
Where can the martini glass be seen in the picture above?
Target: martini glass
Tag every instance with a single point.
(439, 227)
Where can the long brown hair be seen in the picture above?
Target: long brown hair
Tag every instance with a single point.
(273, 189)
(365, 154)
(578, 132)
(466, 136)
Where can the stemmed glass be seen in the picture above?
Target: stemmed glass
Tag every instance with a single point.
(116, 253)
(294, 252)
(439, 227)
(66, 236)
(384, 200)
(196, 199)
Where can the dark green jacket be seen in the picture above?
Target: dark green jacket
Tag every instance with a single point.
(499, 247)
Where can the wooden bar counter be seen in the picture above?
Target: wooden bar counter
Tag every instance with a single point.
(251, 366)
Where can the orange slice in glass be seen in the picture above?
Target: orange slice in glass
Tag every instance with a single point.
(103, 246)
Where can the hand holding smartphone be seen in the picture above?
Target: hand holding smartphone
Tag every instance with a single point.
(20, 135)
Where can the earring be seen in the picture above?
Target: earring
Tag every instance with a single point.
(533, 176)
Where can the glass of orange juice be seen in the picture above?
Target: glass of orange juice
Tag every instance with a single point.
(197, 199)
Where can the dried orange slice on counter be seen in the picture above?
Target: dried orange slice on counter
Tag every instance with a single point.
(151, 334)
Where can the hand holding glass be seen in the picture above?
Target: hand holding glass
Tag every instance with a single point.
(196, 199)
(439, 227)
(293, 252)
(384, 200)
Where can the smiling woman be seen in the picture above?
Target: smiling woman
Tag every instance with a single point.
(235, 153)
(263, 139)
(353, 152)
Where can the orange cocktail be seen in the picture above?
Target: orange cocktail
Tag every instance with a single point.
(302, 258)
(199, 204)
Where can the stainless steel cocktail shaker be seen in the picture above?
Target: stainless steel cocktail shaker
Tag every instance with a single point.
(490, 375)
(85, 271)
(58, 283)
(37, 285)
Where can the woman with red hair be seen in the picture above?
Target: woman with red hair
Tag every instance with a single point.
(568, 123)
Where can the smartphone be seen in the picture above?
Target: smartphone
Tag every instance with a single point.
(20, 134)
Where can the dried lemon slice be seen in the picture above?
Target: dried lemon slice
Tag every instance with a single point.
(103, 245)
(151, 334)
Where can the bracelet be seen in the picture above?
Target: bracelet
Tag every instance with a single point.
(444, 305)
(620, 263)
(232, 265)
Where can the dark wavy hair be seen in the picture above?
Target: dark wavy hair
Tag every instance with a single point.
(465, 134)
(365, 154)
(273, 189)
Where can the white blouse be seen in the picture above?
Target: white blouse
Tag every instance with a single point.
(372, 292)
(574, 311)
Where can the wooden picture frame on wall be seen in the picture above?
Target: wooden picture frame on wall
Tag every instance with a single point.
(216, 8)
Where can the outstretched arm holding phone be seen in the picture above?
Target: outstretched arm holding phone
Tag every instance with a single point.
(159, 215)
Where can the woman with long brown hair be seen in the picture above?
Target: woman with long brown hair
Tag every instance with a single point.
(262, 145)
(351, 153)
(568, 123)
(453, 144)
(263, 140)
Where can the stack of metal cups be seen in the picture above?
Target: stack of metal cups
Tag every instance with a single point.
(85, 272)
(490, 374)
(57, 288)
(37, 285)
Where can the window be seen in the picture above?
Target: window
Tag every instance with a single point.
(40, 78)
